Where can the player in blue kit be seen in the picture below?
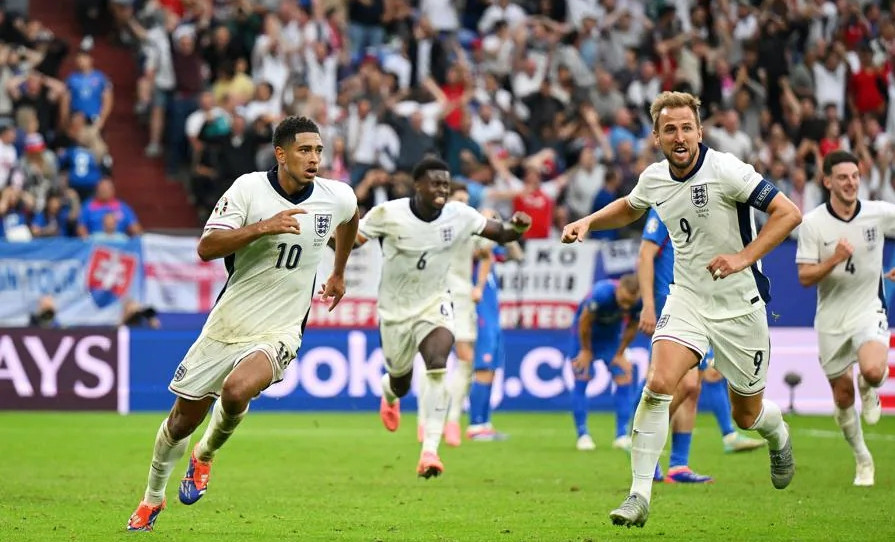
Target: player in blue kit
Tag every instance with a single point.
(656, 274)
(597, 334)
(489, 353)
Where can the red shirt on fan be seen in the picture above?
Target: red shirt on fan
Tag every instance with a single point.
(865, 88)
(539, 206)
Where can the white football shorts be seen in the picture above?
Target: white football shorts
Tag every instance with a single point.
(401, 340)
(838, 351)
(742, 344)
(208, 362)
(465, 319)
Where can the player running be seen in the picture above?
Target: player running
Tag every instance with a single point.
(465, 296)
(655, 270)
(419, 237)
(271, 229)
(705, 197)
(841, 251)
(597, 335)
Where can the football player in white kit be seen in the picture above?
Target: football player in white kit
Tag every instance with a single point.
(271, 229)
(841, 250)
(419, 237)
(705, 198)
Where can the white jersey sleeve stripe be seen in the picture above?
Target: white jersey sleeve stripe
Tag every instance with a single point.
(746, 225)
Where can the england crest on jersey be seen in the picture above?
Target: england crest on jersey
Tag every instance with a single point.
(699, 195)
(870, 234)
(447, 234)
(322, 223)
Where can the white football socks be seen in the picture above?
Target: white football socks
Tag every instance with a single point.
(435, 399)
(848, 421)
(769, 425)
(458, 387)
(650, 430)
(165, 455)
(218, 431)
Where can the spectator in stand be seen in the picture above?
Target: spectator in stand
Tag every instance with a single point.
(867, 86)
(109, 232)
(210, 120)
(240, 146)
(16, 209)
(365, 26)
(723, 133)
(134, 314)
(188, 75)
(45, 315)
(538, 202)
(59, 217)
(41, 93)
(88, 91)
(8, 153)
(103, 202)
(610, 192)
(39, 168)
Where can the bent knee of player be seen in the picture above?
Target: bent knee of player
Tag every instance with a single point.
(237, 393)
(182, 423)
(874, 374)
(844, 394)
(745, 410)
(400, 385)
(661, 381)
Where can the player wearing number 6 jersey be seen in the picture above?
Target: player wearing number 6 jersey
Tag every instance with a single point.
(841, 250)
(419, 236)
(271, 228)
(705, 198)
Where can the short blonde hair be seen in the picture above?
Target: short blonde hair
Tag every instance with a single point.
(672, 100)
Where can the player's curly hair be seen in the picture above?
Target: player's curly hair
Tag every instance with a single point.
(286, 130)
(674, 99)
(427, 164)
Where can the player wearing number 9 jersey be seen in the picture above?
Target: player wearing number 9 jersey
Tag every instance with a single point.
(705, 198)
(841, 250)
(271, 228)
(419, 236)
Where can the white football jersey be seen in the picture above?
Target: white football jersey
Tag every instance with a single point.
(854, 287)
(417, 255)
(271, 280)
(460, 275)
(709, 213)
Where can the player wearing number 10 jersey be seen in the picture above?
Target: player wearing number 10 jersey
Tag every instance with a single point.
(705, 198)
(841, 250)
(271, 228)
(419, 236)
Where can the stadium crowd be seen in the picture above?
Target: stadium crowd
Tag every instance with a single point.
(538, 106)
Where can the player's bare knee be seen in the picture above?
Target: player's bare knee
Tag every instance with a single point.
(873, 374)
(436, 362)
(181, 424)
(844, 396)
(236, 394)
(660, 383)
(400, 385)
(744, 418)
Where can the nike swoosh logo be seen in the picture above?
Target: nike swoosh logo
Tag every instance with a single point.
(658, 203)
(754, 382)
(828, 243)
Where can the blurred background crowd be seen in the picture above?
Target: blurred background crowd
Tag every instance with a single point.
(537, 105)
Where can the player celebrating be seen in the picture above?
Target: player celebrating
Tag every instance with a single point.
(851, 318)
(419, 236)
(705, 197)
(271, 229)
(597, 335)
(655, 270)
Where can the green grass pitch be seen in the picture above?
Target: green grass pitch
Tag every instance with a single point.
(331, 477)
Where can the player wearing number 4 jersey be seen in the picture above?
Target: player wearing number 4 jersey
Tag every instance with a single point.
(705, 198)
(419, 236)
(271, 229)
(841, 250)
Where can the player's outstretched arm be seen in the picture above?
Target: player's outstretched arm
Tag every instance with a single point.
(783, 217)
(216, 243)
(812, 273)
(615, 215)
(334, 287)
(507, 232)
